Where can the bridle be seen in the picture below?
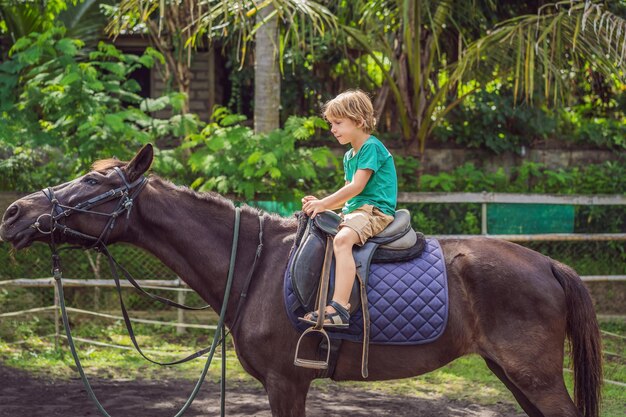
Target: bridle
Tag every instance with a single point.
(127, 193)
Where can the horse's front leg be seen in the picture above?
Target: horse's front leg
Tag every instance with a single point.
(287, 395)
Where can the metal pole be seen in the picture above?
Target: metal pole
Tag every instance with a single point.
(57, 323)
(483, 219)
(180, 313)
(223, 379)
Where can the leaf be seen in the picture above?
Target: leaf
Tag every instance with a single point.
(215, 143)
(152, 105)
(320, 156)
(31, 55)
(248, 190)
(70, 78)
(270, 159)
(20, 45)
(275, 173)
(197, 183)
(254, 157)
(196, 161)
(67, 46)
(232, 119)
(302, 133)
(147, 61)
(115, 121)
(113, 67)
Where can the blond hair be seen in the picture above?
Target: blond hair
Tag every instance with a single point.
(354, 105)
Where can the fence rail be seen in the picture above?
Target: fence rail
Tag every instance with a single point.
(544, 237)
(94, 297)
(486, 198)
(71, 282)
(513, 198)
(600, 266)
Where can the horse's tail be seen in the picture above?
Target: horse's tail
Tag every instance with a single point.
(585, 341)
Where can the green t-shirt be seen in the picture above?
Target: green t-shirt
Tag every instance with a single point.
(381, 190)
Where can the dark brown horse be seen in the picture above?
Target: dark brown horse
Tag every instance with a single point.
(508, 304)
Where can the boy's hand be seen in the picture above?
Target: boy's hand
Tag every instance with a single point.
(312, 206)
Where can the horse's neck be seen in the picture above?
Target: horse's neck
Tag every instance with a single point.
(193, 234)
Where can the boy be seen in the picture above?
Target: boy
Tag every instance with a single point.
(368, 198)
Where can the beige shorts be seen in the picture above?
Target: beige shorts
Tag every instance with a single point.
(366, 221)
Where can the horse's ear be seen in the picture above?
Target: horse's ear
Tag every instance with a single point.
(140, 163)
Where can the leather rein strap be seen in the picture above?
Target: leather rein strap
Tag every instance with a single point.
(127, 193)
(219, 334)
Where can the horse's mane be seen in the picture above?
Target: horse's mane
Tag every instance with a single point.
(103, 165)
(215, 198)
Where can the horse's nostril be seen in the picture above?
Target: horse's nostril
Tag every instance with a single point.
(11, 213)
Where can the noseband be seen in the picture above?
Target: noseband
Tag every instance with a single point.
(125, 193)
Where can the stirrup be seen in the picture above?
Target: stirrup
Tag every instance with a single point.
(311, 363)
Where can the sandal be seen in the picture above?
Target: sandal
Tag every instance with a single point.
(340, 319)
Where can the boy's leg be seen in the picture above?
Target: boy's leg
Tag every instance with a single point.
(355, 229)
(345, 268)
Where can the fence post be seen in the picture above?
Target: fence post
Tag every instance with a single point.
(181, 313)
(483, 219)
(57, 324)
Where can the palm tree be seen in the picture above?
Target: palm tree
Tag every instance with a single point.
(279, 25)
(181, 25)
(266, 73)
(431, 52)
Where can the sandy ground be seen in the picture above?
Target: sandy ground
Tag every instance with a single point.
(22, 395)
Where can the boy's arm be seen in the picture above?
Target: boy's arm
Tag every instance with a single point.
(336, 200)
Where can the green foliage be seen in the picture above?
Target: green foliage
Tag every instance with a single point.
(491, 120)
(530, 177)
(603, 132)
(74, 106)
(231, 159)
(406, 168)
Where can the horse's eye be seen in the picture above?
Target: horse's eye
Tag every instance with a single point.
(91, 181)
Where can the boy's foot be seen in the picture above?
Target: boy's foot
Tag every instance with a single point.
(337, 316)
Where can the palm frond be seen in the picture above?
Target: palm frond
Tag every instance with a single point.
(22, 19)
(85, 20)
(549, 48)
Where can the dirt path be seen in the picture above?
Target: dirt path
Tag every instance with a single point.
(22, 395)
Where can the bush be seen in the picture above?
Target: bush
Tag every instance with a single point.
(232, 160)
(73, 106)
(491, 120)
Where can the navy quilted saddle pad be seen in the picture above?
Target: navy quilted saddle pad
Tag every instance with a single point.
(408, 301)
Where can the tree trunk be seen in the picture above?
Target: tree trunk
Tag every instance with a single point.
(266, 75)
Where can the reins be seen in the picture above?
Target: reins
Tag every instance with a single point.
(127, 193)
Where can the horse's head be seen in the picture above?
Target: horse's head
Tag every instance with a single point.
(83, 211)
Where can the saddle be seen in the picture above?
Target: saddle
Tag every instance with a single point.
(313, 261)
(397, 243)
